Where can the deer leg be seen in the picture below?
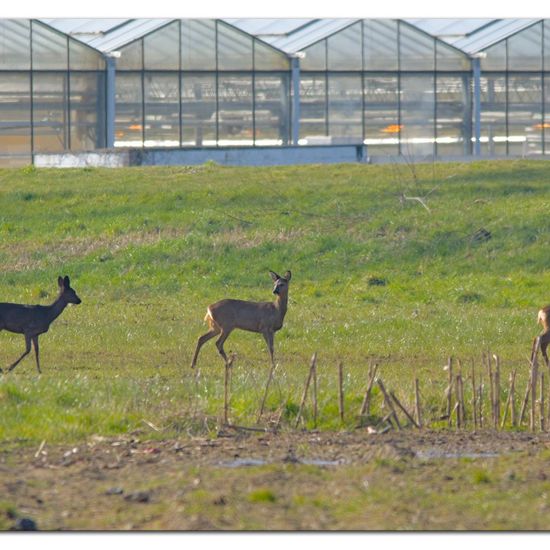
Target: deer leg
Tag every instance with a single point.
(201, 341)
(36, 353)
(27, 351)
(268, 336)
(219, 344)
(544, 341)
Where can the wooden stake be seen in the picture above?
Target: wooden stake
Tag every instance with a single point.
(534, 377)
(405, 412)
(525, 400)
(269, 379)
(497, 390)
(365, 407)
(492, 394)
(513, 397)
(226, 396)
(459, 409)
(542, 418)
(449, 390)
(509, 401)
(315, 407)
(474, 394)
(341, 390)
(417, 403)
(388, 401)
(304, 395)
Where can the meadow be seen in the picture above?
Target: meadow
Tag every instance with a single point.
(378, 277)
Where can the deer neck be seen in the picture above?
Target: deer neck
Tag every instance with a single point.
(281, 304)
(55, 309)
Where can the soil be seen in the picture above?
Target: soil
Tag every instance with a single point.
(129, 483)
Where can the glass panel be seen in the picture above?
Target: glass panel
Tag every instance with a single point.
(272, 115)
(546, 123)
(547, 44)
(417, 115)
(234, 49)
(50, 112)
(524, 115)
(416, 50)
(454, 129)
(493, 115)
(128, 111)
(380, 44)
(161, 49)
(198, 44)
(15, 114)
(162, 110)
(87, 110)
(82, 57)
(15, 50)
(313, 109)
(131, 57)
(525, 50)
(316, 57)
(268, 59)
(49, 49)
(382, 128)
(235, 109)
(496, 58)
(198, 105)
(345, 108)
(449, 59)
(344, 49)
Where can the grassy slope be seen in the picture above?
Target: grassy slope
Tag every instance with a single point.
(148, 249)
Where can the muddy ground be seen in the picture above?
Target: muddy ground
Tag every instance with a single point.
(412, 480)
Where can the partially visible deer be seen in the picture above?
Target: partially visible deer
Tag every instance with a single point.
(263, 317)
(543, 339)
(31, 321)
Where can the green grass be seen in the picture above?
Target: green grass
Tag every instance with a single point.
(376, 278)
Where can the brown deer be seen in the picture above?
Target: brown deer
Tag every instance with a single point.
(263, 317)
(543, 339)
(31, 321)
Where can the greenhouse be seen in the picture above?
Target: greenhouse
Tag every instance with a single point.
(414, 87)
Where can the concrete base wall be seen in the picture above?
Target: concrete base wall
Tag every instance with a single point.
(231, 156)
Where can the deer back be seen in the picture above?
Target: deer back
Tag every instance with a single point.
(252, 316)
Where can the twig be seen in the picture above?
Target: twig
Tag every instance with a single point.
(510, 402)
(269, 379)
(37, 454)
(417, 403)
(226, 396)
(365, 407)
(151, 425)
(304, 395)
(525, 401)
(449, 389)
(542, 418)
(474, 394)
(388, 402)
(341, 390)
(405, 412)
(497, 390)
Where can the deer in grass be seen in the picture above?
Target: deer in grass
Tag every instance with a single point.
(31, 321)
(543, 339)
(263, 317)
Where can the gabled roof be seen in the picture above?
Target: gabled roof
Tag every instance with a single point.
(106, 35)
(293, 35)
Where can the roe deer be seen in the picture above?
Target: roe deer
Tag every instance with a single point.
(31, 321)
(263, 317)
(543, 339)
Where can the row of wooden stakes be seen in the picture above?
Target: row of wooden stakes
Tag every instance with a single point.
(454, 409)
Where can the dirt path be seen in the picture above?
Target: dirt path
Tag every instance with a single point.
(200, 483)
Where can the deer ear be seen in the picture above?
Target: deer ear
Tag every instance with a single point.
(60, 282)
(288, 275)
(67, 281)
(274, 275)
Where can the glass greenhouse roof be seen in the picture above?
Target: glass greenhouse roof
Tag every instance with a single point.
(293, 35)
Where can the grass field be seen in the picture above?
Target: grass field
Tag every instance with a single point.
(377, 276)
(148, 249)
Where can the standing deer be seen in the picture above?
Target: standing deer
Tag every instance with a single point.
(31, 321)
(543, 339)
(263, 317)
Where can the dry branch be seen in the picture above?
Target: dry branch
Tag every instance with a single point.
(341, 390)
(365, 407)
(388, 402)
(308, 381)
(417, 403)
(405, 412)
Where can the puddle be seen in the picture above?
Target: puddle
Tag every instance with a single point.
(239, 462)
(436, 453)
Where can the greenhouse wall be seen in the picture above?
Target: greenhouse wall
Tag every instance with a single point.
(201, 83)
(51, 93)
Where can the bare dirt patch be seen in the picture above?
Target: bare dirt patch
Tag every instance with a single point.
(240, 480)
